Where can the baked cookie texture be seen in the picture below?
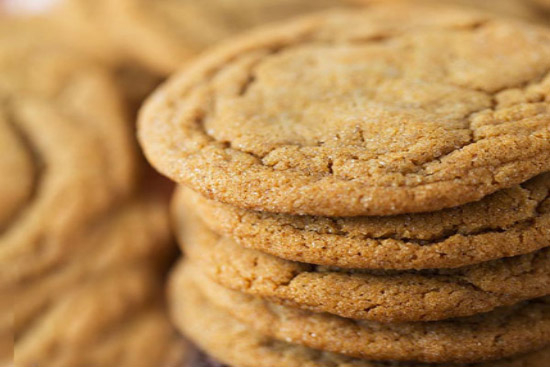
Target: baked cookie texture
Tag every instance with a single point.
(372, 295)
(495, 335)
(235, 343)
(397, 108)
(508, 223)
(84, 238)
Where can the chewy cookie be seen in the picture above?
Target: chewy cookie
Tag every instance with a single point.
(501, 333)
(172, 31)
(385, 296)
(227, 339)
(510, 222)
(397, 108)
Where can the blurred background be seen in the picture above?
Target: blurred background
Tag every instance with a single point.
(85, 239)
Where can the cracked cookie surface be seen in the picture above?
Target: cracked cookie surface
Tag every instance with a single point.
(508, 223)
(501, 333)
(234, 343)
(385, 296)
(397, 108)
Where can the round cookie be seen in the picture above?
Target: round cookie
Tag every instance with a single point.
(397, 108)
(67, 117)
(235, 344)
(499, 334)
(385, 296)
(510, 222)
(170, 32)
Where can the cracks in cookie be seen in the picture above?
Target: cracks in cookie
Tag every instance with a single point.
(309, 36)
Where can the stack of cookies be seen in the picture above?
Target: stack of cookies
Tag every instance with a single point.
(363, 188)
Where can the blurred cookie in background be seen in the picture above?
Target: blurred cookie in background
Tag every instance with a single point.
(162, 34)
(84, 232)
(521, 9)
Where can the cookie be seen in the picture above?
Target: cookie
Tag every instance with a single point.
(510, 222)
(67, 117)
(112, 319)
(397, 108)
(385, 296)
(170, 32)
(501, 333)
(228, 340)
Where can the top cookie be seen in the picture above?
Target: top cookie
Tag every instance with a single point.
(171, 31)
(397, 108)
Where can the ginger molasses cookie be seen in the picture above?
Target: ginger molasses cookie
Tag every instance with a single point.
(235, 344)
(508, 223)
(385, 296)
(397, 108)
(501, 333)
(163, 34)
(65, 116)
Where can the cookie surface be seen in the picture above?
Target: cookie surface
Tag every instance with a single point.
(501, 333)
(235, 344)
(172, 31)
(397, 108)
(508, 223)
(386, 296)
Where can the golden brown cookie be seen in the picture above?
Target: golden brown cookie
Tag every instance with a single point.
(232, 342)
(397, 108)
(386, 296)
(501, 333)
(165, 33)
(65, 116)
(508, 223)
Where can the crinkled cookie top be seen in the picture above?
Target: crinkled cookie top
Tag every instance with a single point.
(397, 108)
